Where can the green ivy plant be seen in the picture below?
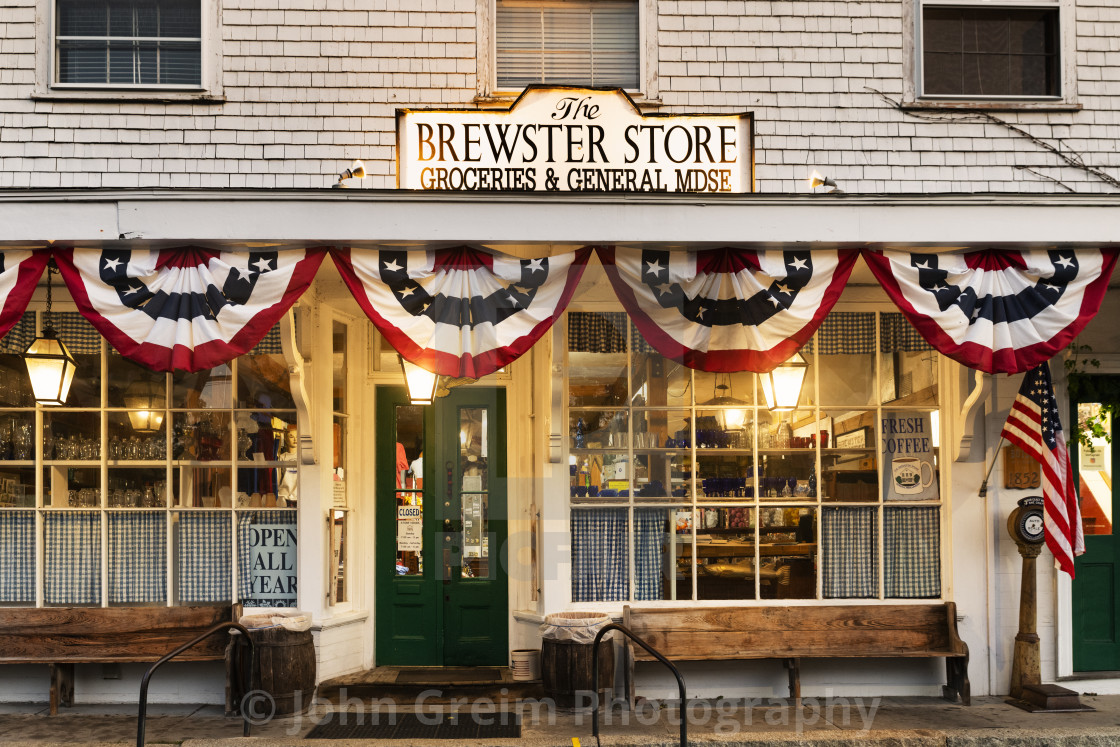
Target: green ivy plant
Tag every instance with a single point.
(1083, 386)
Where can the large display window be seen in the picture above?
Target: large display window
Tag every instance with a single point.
(685, 485)
(147, 488)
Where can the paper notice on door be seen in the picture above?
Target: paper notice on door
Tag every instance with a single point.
(410, 529)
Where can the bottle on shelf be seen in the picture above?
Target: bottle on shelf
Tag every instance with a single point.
(785, 434)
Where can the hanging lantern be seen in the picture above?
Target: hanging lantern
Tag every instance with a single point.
(421, 383)
(735, 413)
(782, 386)
(50, 366)
(146, 402)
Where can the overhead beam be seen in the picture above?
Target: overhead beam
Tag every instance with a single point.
(370, 217)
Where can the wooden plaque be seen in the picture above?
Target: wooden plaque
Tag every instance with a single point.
(1020, 471)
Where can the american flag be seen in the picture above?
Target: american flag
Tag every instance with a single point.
(1035, 426)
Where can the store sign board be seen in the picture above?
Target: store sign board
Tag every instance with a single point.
(560, 139)
(272, 564)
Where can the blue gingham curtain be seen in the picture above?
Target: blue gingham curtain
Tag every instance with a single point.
(78, 334)
(20, 336)
(270, 344)
(205, 556)
(72, 551)
(245, 520)
(912, 551)
(17, 557)
(850, 552)
(898, 334)
(649, 540)
(638, 342)
(599, 567)
(845, 333)
(597, 331)
(137, 557)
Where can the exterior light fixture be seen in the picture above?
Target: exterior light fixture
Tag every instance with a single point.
(421, 383)
(735, 415)
(357, 170)
(146, 400)
(816, 180)
(50, 366)
(782, 386)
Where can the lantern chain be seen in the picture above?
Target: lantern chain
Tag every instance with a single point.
(52, 268)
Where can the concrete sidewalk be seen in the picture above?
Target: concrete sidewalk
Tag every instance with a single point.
(839, 722)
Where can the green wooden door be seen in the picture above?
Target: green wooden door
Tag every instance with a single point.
(1096, 587)
(442, 592)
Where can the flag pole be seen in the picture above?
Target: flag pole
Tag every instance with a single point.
(984, 485)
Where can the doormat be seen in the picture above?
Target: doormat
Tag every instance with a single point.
(440, 676)
(342, 725)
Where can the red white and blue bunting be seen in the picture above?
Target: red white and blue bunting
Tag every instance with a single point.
(999, 311)
(460, 312)
(186, 308)
(19, 274)
(727, 309)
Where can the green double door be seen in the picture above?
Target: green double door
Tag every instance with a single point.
(442, 591)
(1096, 587)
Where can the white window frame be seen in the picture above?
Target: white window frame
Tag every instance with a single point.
(912, 91)
(209, 89)
(355, 341)
(169, 510)
(944, 502)
(486, 70)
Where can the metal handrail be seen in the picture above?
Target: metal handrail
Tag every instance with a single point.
(142, 716)
(652, 652)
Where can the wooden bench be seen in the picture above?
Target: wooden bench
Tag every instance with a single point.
(794, 633)
(61, 637)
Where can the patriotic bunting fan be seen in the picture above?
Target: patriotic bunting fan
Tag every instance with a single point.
(460, 312)
(19, 274)
(727, 309)
(187, 308)
(1000, 311)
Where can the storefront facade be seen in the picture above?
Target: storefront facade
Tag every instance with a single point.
(591, 471)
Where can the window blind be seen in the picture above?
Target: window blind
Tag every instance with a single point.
(581, 42)
(129, 42)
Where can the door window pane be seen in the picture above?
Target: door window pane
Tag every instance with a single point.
(409, 497)
(1094, 469)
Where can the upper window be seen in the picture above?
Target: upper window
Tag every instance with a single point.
(1009, 50)
(124, 43)
(567, 42)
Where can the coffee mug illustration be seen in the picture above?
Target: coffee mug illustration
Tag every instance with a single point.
(908, 472)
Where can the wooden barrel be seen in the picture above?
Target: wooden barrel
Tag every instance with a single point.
(285, 667)
(566, 672)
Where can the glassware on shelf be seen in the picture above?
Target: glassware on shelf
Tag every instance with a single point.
(244, 443)
(785, 435)
(23, 444)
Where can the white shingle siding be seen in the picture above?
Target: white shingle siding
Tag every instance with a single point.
(309, 86)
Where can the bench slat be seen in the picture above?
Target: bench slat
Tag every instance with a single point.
(92, 634)
(793, 633)
(825, 619)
